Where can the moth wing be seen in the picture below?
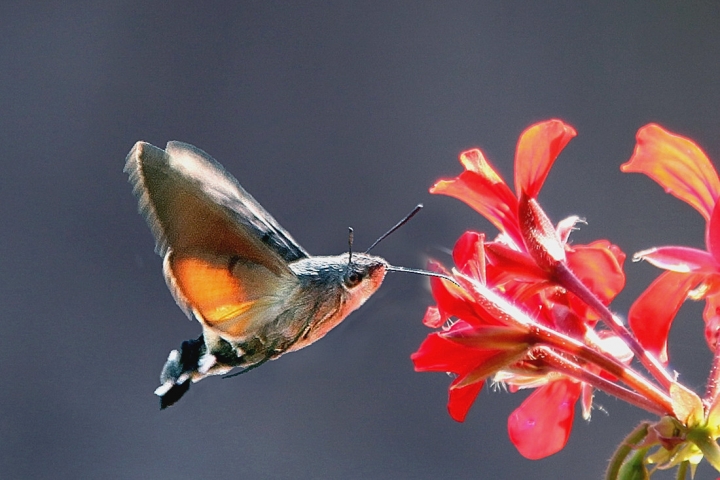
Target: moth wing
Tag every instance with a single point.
(197, 210)
(189, 200)
(231, 298)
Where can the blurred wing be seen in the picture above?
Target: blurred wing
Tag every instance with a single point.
(216, 238)
(228, 297)
(191, 202)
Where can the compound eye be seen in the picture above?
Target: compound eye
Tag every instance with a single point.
(353, 278)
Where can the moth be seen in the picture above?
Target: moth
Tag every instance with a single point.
(255, 291)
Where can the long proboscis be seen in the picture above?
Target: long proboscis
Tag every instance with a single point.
(426, 273)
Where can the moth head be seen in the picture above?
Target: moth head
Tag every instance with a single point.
(364, 273)
(356, 279)
(332, 288)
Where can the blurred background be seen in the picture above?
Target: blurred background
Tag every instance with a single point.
(332, 114)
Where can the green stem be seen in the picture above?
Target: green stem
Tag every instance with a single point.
(682, 471)
(627, 446)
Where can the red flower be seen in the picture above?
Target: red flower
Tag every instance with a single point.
(486, 338)
(529, 246)
(683, 170)
(542, 424)
(484, 190)
(493, 337)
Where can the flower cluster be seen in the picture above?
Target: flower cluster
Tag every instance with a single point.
(530, 310)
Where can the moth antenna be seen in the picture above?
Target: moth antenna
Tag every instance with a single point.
(426, 273)
(350, 242)
(402, 222)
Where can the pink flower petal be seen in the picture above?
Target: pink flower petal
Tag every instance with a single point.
(651, 315)
(537, 149)
(432, 317)
(678, 165)
(541, 425)
(679, 259)
(586, 397)
(566, 226)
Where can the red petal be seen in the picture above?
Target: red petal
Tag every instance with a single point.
(452, 301)
(455, 301)
(432, 318)
(461, 399)
(537, 150)
(678, 165)
(480, 187)
(712, 234)
(438, 354)
(508, 262)
(680, 259)
(469, 255)
(711, 314)
(651, 315)
(541, 425)
(599, 267)
(567, 320)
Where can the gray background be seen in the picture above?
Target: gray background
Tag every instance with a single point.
(331, 114)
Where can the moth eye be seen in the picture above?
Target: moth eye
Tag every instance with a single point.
(352, 278)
